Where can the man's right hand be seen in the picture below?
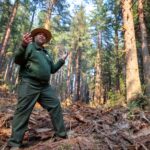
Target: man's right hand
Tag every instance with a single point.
(26, 39)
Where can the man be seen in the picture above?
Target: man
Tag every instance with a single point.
(36, 65)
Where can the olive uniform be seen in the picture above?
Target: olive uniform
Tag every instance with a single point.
(36, 65)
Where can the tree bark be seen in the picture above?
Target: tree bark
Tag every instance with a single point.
(51, 4)
(69, 75)
(8, 70)
(133, 85)
(78, 74)
(98, 94)
(117, 62)
(84, 90)
(145, 51)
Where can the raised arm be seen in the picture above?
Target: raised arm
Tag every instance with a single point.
(59, 64)
(19, 55)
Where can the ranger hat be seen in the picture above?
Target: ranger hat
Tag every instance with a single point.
(48, 34)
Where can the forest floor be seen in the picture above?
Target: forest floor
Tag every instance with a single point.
(88, 128)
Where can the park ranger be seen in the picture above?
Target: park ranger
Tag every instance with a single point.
(36, 66)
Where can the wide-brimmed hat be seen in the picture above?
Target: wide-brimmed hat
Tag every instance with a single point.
(48, 34)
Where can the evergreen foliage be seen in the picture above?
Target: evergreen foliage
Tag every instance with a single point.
(73, 32)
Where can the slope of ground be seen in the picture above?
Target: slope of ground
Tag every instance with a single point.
(88, 128)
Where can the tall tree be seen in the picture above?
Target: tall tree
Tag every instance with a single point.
(78, 73)
(98, 96)
(133, 85)
(7, 32)
(117, 24)
(79, 39)
(100, 27)
(69, 75)
(145, 51)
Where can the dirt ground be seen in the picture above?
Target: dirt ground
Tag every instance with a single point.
(88, 128)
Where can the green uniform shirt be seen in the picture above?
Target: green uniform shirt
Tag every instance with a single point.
(36, 63)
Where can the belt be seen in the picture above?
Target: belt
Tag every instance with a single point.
(34, 80)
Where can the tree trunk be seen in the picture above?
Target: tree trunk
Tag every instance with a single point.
(145, 51)
(117, 62)
(78, 73)
(133, 85)
(51, 4)
(98, 94)
(8, 70)
(93, 85)
(32, 19)
(7, 32)
(84, 90)
(12, 72)
(68, 75)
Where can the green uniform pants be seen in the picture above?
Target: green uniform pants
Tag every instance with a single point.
(29, 92)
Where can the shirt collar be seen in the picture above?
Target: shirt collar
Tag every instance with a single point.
(38, 47)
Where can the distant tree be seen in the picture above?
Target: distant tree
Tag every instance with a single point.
(80, 43)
